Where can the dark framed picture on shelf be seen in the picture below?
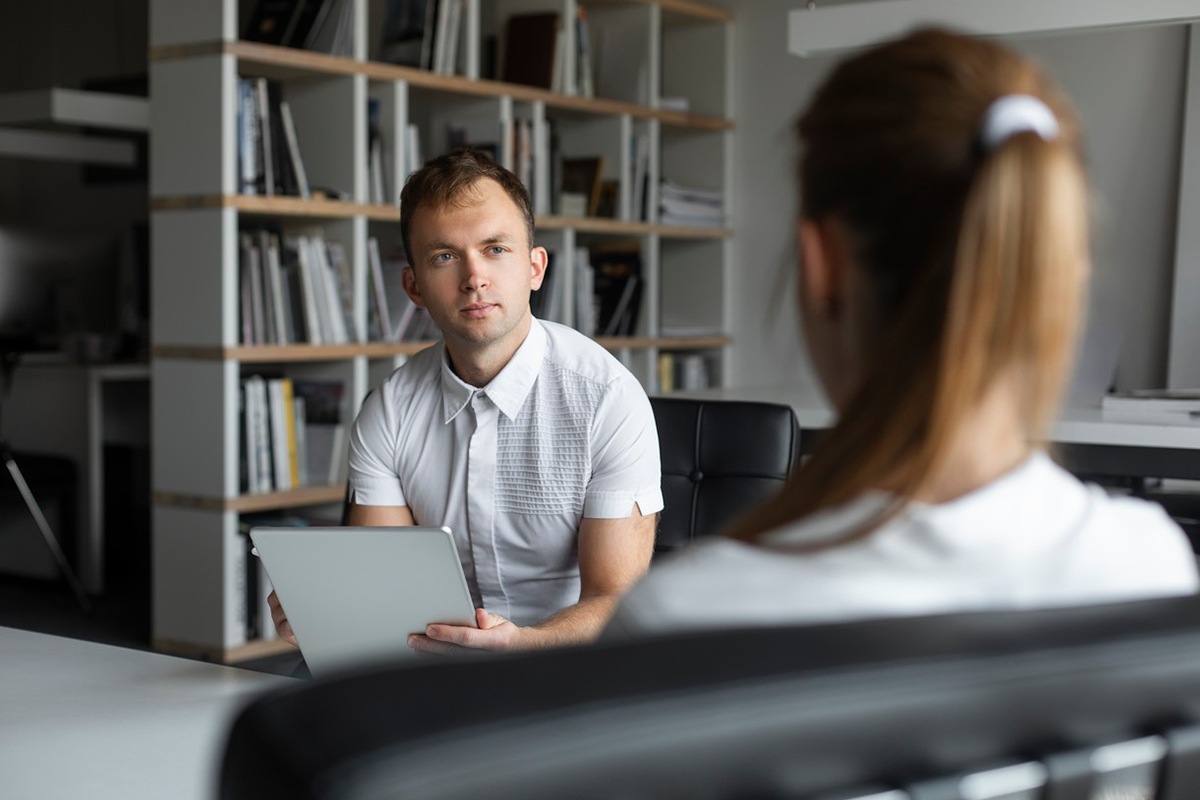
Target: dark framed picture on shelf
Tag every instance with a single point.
(581, 186)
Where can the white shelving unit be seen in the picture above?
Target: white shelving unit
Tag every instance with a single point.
(197, 360)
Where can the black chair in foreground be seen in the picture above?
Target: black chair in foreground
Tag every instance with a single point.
(1100, 701)
(720, 459)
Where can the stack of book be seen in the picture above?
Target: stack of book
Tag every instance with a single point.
(685, 205)
(295, 290)
(292, 433)
(1152, 405)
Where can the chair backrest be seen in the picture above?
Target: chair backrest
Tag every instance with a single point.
(1074, 700)
(719, 459)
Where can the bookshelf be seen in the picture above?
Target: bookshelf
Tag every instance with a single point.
(199, 351)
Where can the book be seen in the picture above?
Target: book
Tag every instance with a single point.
(249, 167)
(585, 298)
(380, 291)
(529, 49)
(282, 441)
(258, 435)
(265, 153)
(293, 148)
(345, 285)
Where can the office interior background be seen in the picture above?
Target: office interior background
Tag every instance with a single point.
(1129, 85)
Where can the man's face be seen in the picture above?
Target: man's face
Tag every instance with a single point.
(473, 268)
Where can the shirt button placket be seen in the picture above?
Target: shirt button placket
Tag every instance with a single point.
(481, 499)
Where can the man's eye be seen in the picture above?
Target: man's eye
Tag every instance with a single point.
(443, 257)
(496, 250)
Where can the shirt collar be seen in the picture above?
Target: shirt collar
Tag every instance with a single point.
(508, 389)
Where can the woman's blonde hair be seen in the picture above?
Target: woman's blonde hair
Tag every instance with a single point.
(977, 256)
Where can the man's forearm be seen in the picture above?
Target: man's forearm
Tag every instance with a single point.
(577, 624)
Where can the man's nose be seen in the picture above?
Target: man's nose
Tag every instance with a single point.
(475, 276)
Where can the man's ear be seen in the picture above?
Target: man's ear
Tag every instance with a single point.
(538, 260)
(822, 267)
(410, 286)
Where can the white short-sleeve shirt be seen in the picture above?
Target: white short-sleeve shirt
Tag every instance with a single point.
(563, 432)
(1034, 538)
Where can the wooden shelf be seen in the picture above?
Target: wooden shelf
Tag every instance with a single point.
(289, 63)
(663, 342)
(276, 354)
(224, 655)
(618, 227)
(280, 206)
(249, 503)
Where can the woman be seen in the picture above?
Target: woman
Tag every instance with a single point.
(943, 243)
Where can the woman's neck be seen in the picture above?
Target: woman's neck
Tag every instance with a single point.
(989, 442)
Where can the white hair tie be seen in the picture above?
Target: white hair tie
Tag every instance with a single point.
(1013, 114)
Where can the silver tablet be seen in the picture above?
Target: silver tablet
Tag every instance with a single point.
(355, 594)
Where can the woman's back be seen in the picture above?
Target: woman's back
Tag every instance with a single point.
(1036, 537)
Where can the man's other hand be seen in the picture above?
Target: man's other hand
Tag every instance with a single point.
(282, 626)
(494, 633)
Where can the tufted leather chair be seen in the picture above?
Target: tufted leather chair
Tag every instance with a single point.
(720, 458)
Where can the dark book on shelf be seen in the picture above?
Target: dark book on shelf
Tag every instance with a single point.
(617, 285)
(405, 24)
(529, 49)
(271, 21)
(308, 16)
(582, 177)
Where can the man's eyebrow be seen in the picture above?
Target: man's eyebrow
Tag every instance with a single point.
(496, 238)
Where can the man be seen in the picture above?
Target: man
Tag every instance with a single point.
(527, 439)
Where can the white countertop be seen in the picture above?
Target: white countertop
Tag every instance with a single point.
(80, 719)
(1074, 425)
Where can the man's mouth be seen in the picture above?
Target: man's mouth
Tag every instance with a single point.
(477, 310)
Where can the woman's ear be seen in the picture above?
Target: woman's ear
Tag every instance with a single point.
(822, 267)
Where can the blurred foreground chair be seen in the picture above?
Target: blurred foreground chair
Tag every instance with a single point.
(720, 458)
(1093, 702)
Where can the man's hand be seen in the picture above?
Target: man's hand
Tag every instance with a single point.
(282, 627)
(494, 633)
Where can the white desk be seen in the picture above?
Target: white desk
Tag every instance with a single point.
(79, 719)
(1084, 426)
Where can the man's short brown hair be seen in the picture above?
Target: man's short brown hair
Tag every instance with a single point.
(448, 180)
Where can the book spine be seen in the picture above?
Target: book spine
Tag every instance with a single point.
(264, 130)
(289, 412)
(293, 146)
(279, 435)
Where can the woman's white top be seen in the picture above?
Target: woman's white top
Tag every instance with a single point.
(1035, 537)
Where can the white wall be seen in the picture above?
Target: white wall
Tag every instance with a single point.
(1128, 88)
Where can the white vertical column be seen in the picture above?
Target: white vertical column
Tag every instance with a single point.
(1183, 361)
(541, 159)
(506, 132)
(654, 57)
(474, 42)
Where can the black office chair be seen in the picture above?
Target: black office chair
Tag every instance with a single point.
(1068, 700)
(719, 460)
